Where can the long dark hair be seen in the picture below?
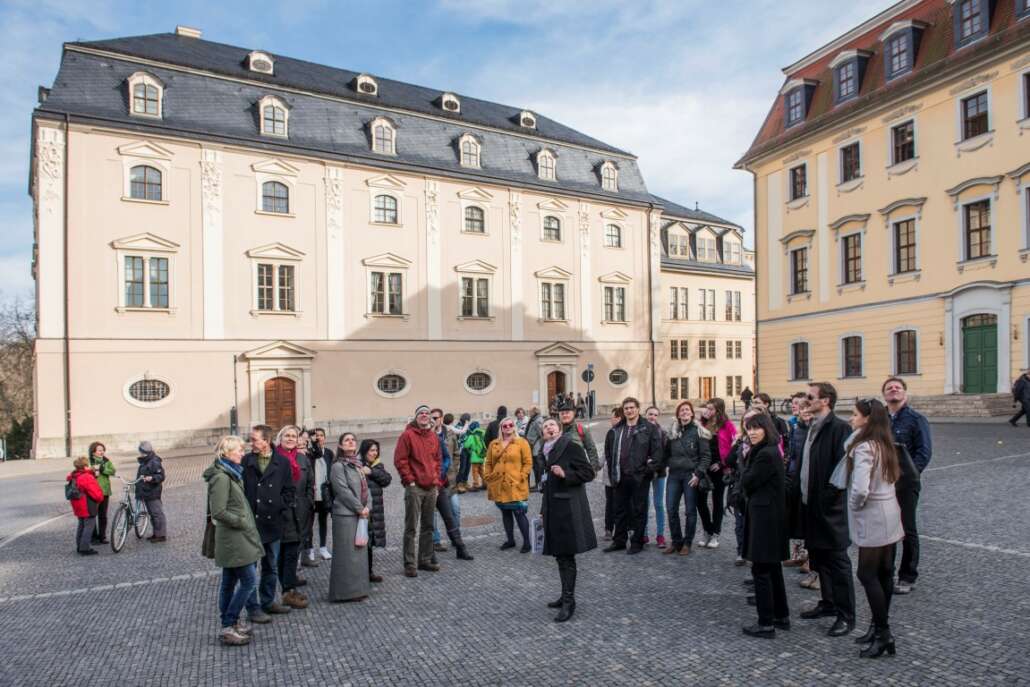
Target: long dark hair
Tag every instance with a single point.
(764, 422)
(720, 418)
(877, 431)
(366, 446)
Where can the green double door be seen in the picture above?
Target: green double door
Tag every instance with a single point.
(980, 354)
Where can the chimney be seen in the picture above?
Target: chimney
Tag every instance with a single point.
(187, 31)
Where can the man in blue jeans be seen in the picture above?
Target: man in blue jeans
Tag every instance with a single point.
(267, 474)
(653, 416)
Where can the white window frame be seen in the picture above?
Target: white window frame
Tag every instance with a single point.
(893, 166)
(705, 306)
(162, 166)
(842, 263)
(790, 185)
(465, 205)
(680, 306)
(709, 255)
(372, 208)
(476, 146)
(992, 236)
(892, 239)
(148, 80)
(291, 187)
(790, 361)
(894, 351)
(145, 246)
(846, 185)
(561, 226)
(387, 263)
(728, 256)
(477, 269)
(840, 355)
(615, 287)
(276, 255)
(1024, 106)
(622, 233)
(970, 144)
(609, 177)
(523, 116)
(541, 170)
(540, 299)
(391, 371)
(272, 101)
(805, 246)
(677, 231)
(479, 392)
(147, 376)
(391, 127)
(449, 97)
(363, 79)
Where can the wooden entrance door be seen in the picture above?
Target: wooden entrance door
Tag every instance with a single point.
(280, 402)
(555, 385)
(980, 354)
(707, 387)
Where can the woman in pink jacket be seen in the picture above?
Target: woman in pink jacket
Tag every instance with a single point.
(723, 432)
(85, 505)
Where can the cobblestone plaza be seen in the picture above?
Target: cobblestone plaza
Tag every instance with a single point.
(147, 616)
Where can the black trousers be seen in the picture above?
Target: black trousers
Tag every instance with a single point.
(101, 527)
(876, 573)
(609, 508)
(567, 573)
(908, 501)
(630, 499)
(1023, 410)
(289, 556)
(711, 521)
(835, 580)
(770, 593)
(323, 524)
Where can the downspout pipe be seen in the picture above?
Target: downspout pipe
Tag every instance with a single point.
(754, 229)
(67, 337)
(650, 308)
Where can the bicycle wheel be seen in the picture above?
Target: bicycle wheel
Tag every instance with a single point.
(142, 520)
(119, 528)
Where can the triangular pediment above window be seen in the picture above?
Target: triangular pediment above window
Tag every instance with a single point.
(552, 204)
(145, 149)
(386, 181)
(475, 193)
(558, 350)
(475, 266)
(275, 251)
(705, 231)
(387, 260)
(276, 166)
(279, 350)
(554, 272)
(615, 278)
(614, 213)
(146, 241)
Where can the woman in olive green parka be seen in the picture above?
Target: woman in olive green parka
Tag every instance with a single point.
(236, 544)
(103, 469)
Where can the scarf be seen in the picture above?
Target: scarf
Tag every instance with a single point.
(548, 445)
(233, 468)
(355, 462)
(291, 456)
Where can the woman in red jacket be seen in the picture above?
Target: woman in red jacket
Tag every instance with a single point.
(85, 507)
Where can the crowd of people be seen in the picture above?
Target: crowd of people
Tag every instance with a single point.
(800, 491)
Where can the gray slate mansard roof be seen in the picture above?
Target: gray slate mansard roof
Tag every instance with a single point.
(676, 211)
(93, 88)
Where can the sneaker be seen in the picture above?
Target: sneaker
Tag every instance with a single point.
(739, 562)
(324, 553)
(243, 628)
(810, 581)
(230, 637)
(259, 617)
(713, 541)
(276, 608)
(901, 587)
(705, 538)
(440, 547)
(309, 560)
(661, 542)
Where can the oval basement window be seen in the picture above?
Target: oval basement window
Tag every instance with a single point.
(478, 381)
(618, 377)
(391, 384)
(149, 390)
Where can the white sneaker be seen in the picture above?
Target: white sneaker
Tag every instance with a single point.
(713, 541)
(704, 540)
(324, 553)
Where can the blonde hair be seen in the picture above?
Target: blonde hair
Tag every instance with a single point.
(279, 436)
(80, 462)
(228, 443)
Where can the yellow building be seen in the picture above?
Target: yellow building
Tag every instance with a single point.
(892, 205)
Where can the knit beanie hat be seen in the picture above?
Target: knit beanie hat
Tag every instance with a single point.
(421, 409)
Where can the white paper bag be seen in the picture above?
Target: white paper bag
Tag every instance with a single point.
(536, 534)
(361, 536)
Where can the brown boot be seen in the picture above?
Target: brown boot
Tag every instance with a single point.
(294, 600)
(670, 550)
(685, 551)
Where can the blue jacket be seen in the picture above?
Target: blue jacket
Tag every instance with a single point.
(912, 431)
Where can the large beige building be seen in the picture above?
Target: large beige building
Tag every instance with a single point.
(220, 226)
(892, 205)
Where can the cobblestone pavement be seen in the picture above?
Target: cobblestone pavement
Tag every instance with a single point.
(147, 616)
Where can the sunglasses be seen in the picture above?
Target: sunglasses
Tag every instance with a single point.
(810, 397)
(434, 418)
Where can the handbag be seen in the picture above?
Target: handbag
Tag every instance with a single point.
(361, 536)
(839, 478)
(207, 546)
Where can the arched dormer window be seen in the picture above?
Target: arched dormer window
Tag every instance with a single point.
(470, 148)
(145, 183)
(546, 165)
(366, 85)
(274, 116)
(275, 197)
(260, 62)
(610, 177)
(384, 135)
(527, 119)
(450, 103)
(145, 95)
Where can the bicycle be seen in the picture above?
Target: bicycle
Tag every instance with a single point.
(131, 510)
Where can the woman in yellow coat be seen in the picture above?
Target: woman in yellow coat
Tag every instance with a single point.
(509, 461)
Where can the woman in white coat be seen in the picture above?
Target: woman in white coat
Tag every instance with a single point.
(874, 517)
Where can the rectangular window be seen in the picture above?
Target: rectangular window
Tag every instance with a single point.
(394, 294)
(613, 236)
(729, 384)
(679, 246)
(674, 349)
(798, 182)
(286, 290)
(799, 360)
(133, 282)
(847, 80)
(702, 349)
(614, 304)
(738, 350)
(475, 297)
(738, 385)
(905, 246)
(852, 351)
(711, 349)
(386, 296)
(898, 55)
(729, 350)
(158, 282)
(799, 270)
(678, 303)
(978, 229)
(795, 106)
(733, 306)
(974, 116)
(850, 162)
(905, 352)
(711, 304)
(732, 250)
(265, 287)
(852, 255)
(674, 388)
(706, 251)
(971, 20)
(552, 301)
(903, 137)
(729, 306)
(1026, 92)
(684, 349)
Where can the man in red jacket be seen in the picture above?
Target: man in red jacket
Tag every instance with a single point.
(85, 507)
(417, 459)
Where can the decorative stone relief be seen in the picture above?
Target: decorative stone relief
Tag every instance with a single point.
(50, 165)
(796, 156)
(514, 214)
(334, 201)
(584, 228)
(433, 211)
(973, 82)
(1020, 63)
(211, 180)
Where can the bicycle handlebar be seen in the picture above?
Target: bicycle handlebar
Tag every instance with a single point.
(127, 482)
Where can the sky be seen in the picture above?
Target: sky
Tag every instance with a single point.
(682, 84)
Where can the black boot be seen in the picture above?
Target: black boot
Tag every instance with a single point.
(557, 603)
(462, 553)
(868, 636)
(568, 605)
(883, 640)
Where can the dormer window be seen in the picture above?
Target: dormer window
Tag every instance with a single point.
(610, 177)
(469, 148)
(366, 85)
(1022, 9)
(384, 136)
(972, 20)
(260, 62)
(797, 94)
(546, 163)
(145, 95)
(900, 46)
(274, 116)
(450, 102)
(848, 68)
(527, 119)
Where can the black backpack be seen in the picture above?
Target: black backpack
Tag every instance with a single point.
(71, 490)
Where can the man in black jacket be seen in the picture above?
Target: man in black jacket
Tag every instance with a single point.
(824, 518)
(317, 451)
(268, 484)
(1021, 395)
(634, 450)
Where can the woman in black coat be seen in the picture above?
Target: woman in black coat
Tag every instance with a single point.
(766, 545)
(378, 479)
(568, 525)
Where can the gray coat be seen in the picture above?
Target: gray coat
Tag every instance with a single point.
(346, 481)
(299, 517)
